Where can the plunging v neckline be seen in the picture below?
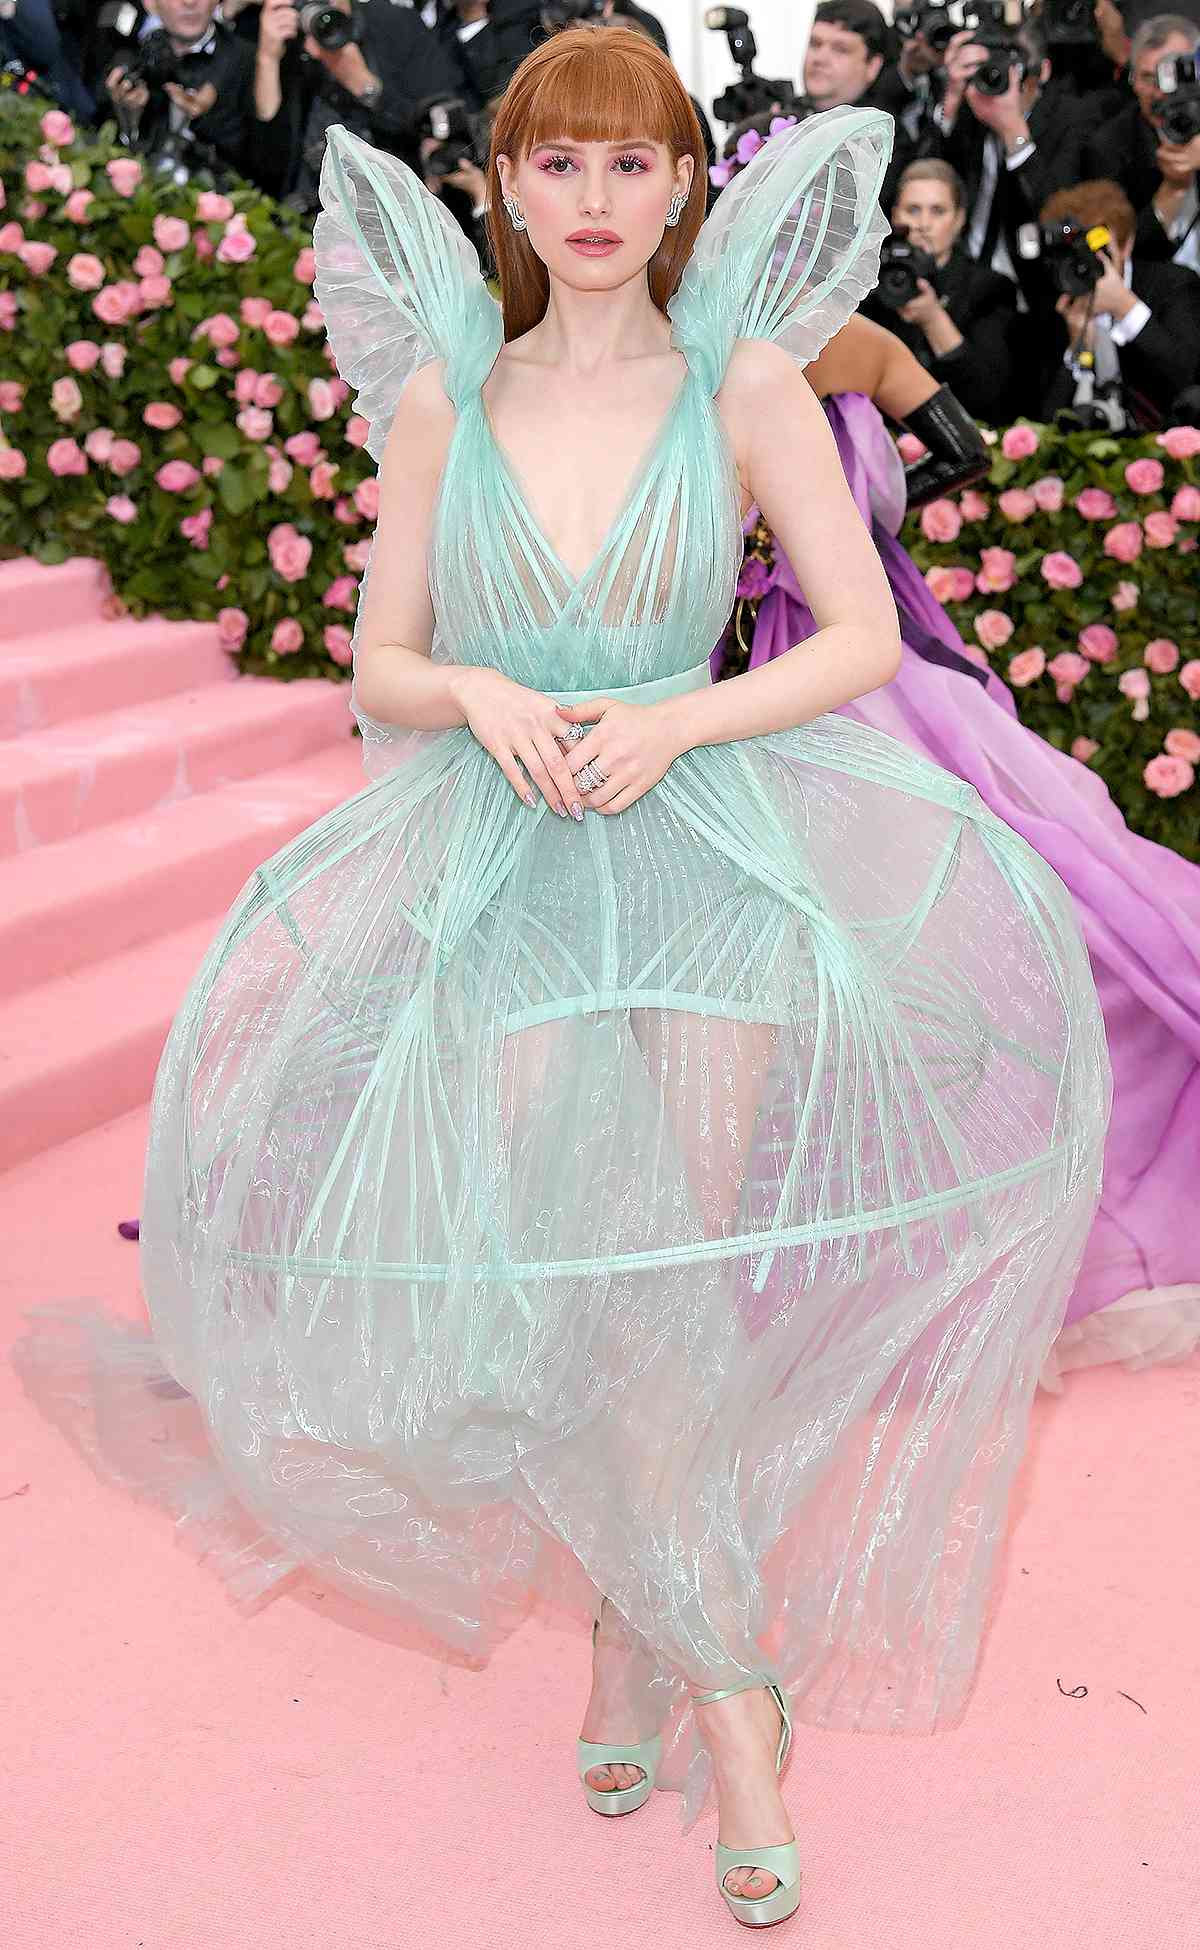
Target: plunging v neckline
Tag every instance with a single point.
(637, 483)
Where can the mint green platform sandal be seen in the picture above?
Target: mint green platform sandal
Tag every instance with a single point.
(597, 1753)
(779, 1860)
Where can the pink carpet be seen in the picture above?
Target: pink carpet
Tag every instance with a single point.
(181, 1776)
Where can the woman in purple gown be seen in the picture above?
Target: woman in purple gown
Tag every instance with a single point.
(1137, 1298)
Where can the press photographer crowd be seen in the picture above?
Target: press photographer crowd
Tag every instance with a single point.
(1045, 250)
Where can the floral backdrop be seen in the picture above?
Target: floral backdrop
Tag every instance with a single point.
(168, 404)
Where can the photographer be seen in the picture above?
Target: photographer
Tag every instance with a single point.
(365, 63)
(1011, 142)
(1127, 334)
(1157, 167)
(957, 317)
(184, 88)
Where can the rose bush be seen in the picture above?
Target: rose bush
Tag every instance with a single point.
(1077, 577)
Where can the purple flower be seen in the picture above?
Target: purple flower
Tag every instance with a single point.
(755, 579)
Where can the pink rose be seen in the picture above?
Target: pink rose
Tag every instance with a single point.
(973, 506)
(220, 329)
(280, 327)
(1161, 656)
(194, 528)
(162, 416)
(339, 389)
(112, 358)
(1124, 542)
(124, 456)
(939, 582)
(203, 246)
(322, 405)
(236, 247)
(117, 303)
(356, 555)
(267, 391)
(1048, 493)
(1026, 665)
(304, 270)
(1083, 749)
(12, 395)
(149, 262)
(11, 238)
(280, 474)
(303, 448)
(83, 355)
(1186, 504)
(290, 552)
(213, 208)
(1144, 476)
(178, 369)
(1016, 504)
(8, 311)
(171, 233)
(77, 205)
(57, 128)
(345, 511)
(121, 508)
(321, 480)
(157, 292)
(357, 430)
(245, 386)
(1181, 443)
(1098, 643)
(999, 571)
(64, 457)
(1060, 570)
(255, 312)
(32, 209)
(312, 318)
(1181, 743)
(227, 356)
(337, 642)
(84, 272)
(232, 625)
(255, 423)
(341, 593)
(99, 444)
(1168, 777)
(993, 628)
(1189, 677)
(1068, 668)
(286, 637)
(1125, 596)
(1160, 529)
(911, 448)
(65, 399)
(211, 466)
(38, 177)
(366, 499)
(177, 476)
(1134, 683)
(13, 465)
(1019, 443)
(940, 521)
(37, 258)
(124, 173)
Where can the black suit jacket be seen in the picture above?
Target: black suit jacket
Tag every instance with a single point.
(1159, 362)
(1057, 126)
(227, 128)
(983, 305)
(1124, 150)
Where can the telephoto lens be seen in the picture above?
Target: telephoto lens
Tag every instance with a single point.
(328, 26)
(901, 265)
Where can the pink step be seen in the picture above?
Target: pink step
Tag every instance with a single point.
(88, 667)
(90, 770)
(79, 1050)
(36, 597)
(84, 899)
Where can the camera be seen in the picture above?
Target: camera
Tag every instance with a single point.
(998, 36)
(751, 94)
(328, 26)
(458, 132)
(935, 19)
(1103, 412)
(1068, 23)
(901, 264)
(1178, 78)
(1071, 252)
(154, 61)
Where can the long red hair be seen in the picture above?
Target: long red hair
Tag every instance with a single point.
(590, 83)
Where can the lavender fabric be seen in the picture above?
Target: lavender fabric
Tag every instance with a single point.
(1138, 903)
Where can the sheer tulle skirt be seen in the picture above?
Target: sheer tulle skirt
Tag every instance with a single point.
(678, 1205)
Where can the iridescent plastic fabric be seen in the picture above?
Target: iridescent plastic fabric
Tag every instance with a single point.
(678, 1204)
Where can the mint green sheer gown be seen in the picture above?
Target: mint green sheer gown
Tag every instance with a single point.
(678, 1204)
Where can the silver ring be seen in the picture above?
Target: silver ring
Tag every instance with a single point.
(589, 775)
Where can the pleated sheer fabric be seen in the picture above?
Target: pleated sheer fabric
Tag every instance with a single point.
(678, 1205)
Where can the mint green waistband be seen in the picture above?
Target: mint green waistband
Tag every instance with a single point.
(655, 687)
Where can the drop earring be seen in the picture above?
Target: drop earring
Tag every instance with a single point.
(514, 214)
(676, 208)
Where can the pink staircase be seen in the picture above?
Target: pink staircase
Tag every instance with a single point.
(142, 779)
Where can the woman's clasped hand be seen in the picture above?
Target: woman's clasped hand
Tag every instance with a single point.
(631, 745)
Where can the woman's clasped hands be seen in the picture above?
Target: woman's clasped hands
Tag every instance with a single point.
(631, 745)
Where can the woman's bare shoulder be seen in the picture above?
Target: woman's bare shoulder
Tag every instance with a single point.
(755, 372)
(424, 422)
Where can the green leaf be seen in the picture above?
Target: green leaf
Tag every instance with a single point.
(203, 377)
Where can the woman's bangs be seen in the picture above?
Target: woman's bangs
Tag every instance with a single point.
(594, 100)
